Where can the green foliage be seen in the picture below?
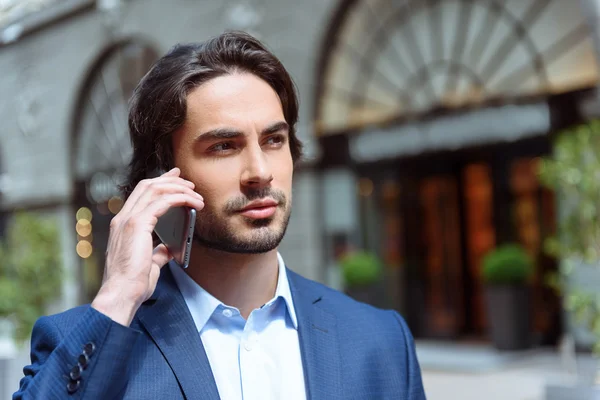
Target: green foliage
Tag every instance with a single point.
(586, 308)
(361, 269)
(573, 172)
(508, 264)
(30, 270)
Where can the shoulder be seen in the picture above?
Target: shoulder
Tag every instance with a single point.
(375, 346)
(347, 310)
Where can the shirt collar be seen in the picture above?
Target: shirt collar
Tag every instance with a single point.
(283, 290)
(202, 304)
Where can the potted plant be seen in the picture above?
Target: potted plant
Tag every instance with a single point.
(572, 171)
(507, 270)
(362, 273)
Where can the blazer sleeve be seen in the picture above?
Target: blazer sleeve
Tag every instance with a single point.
(86, 362)
(416, 390)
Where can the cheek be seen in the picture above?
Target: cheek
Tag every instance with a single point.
(210, 192)
(213, 185)
(182, 154)
(284, 183)
(284, 172)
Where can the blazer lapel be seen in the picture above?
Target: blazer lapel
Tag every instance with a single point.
(318, 337)
(168, 321)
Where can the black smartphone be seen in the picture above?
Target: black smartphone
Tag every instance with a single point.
(175, 229)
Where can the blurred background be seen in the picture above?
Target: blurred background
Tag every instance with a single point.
(451, 169)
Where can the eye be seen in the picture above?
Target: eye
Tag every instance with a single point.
(222, 147)
(275, 141)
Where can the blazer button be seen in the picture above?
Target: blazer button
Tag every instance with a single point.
(88, 349)
(73, 386)
(83, 360)
(75, 373)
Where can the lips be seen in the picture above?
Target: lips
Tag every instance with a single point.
(260, 209)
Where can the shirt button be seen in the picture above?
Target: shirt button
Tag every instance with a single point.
(248, 346)
(227, 312)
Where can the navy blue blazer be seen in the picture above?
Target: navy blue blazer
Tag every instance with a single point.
(350, 350)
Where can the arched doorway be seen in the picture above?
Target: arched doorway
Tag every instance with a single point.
(387, 61)
(102, 148)
(439, 111)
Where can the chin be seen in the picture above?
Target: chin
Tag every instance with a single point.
(243, 235)
(260, 231)
(247, 239)
(253, 224)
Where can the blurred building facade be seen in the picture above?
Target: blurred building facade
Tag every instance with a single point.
(423, 122)
(437, 112)
(68, 69)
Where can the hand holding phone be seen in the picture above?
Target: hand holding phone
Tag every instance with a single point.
(133, 263)
(175, 229)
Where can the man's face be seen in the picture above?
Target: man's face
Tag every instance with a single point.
(234, 146)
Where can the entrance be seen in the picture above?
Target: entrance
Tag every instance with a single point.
(451, 209)
(388, 64)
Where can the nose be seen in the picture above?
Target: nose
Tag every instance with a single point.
(257, 170)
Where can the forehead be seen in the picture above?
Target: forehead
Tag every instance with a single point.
(233, 100)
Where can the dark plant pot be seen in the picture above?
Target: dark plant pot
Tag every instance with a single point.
(509, 316)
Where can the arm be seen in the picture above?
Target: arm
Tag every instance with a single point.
(54, 357)
(415, 382)
(103, 335)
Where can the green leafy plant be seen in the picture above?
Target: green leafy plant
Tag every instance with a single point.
(30, 270)
(573, 172)
(361, 269)
(507, 264)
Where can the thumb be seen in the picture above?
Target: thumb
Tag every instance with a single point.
(160, 255)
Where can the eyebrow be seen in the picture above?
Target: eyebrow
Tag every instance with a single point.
(230, 133)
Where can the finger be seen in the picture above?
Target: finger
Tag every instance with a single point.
(172, 172)
(159, 190)
(172, 179)
(148, 185)
(161, 205)
(161, 255)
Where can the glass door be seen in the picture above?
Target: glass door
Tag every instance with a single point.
(442, 259)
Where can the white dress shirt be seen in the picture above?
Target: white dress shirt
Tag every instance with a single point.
(257, 359)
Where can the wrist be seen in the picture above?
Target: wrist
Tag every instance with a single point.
(115, 305)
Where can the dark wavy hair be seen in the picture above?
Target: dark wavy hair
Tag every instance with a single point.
(159, 102)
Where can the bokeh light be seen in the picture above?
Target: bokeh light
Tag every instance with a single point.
(114, 204)
(84, 213)
(84, 249)
(83, 227)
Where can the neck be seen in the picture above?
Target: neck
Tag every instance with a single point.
(244, 281)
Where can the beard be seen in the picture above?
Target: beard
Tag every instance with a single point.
(214, 230)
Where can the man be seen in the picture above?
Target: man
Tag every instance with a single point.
(237, 324)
